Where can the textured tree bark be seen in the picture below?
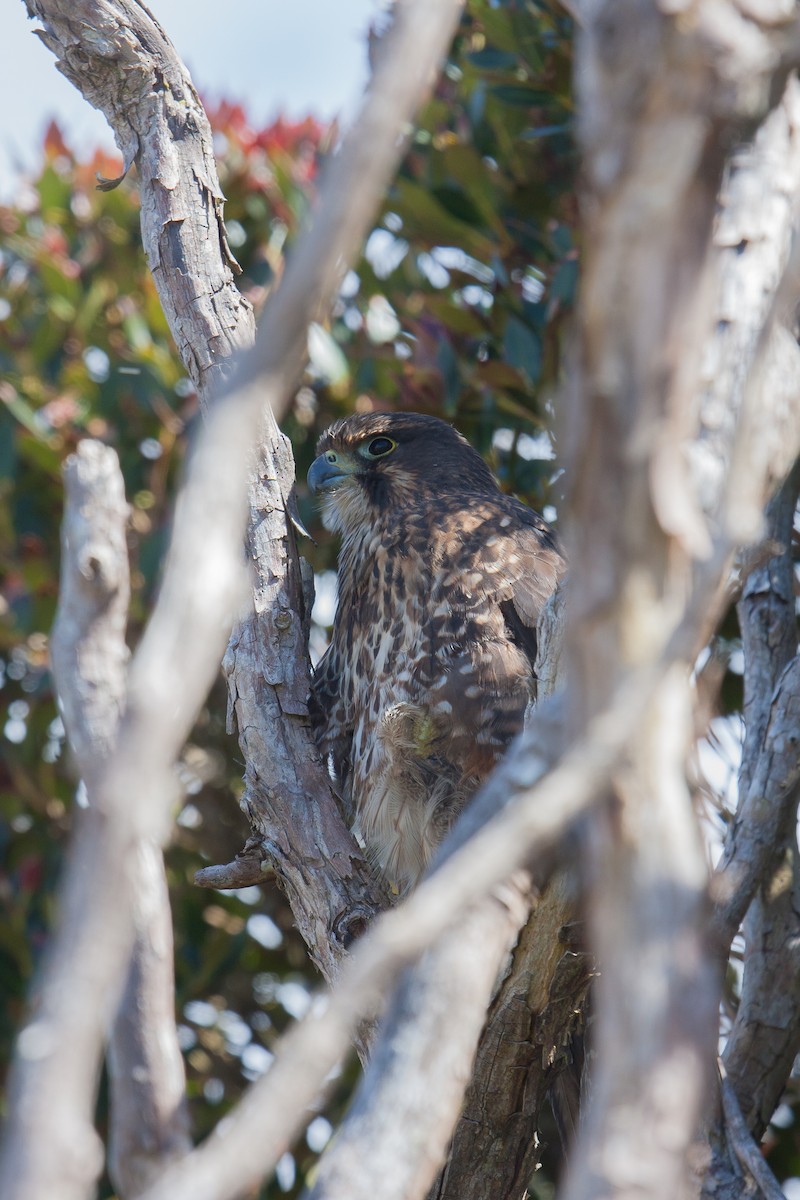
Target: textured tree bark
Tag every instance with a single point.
(149, 1118)
(130, 70)
(770, 770)
(660, 99)
(399, 1125)
(759, 872)
(87, 958)
(525, 1046)
(88, 655)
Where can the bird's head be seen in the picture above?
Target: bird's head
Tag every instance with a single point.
(380, 463)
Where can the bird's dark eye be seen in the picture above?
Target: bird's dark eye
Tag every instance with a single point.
(380, 446)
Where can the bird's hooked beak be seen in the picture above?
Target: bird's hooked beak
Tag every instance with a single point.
(330, 471)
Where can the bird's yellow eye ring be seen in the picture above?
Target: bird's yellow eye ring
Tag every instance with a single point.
(379, 447)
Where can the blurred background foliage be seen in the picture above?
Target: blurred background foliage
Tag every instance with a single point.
(457, 309)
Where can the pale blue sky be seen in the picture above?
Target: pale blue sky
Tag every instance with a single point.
(296, 56)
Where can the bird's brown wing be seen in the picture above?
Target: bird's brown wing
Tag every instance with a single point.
(532, 578)
(511, 566)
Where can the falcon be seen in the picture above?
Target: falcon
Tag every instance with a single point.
(442, 578)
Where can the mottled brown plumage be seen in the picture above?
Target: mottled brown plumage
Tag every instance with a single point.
(441, 580)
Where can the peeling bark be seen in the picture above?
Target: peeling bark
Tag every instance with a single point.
(758, 879)
(663, 92)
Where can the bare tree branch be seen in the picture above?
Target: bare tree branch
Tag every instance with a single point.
(202, 587)
(266, 661)
(765, 1039)
(757, 217)
(149, 1119)
(767, 619)
(396, 1133)
(89, 656)
(660, 99)
(763, 810)
(760, 205)
(744, 1147)
(88, 652)
(759, 871)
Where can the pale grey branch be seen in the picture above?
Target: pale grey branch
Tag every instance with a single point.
(88, 653)
(149, 1123)
(396, 1133)
(133, 74)
(660, 100)
(57, 1051)
(149, 1119)
(204, 575)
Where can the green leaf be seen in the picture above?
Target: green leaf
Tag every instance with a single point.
(565, 283)
(61, 308)
(8, 456)
(458, 204)
(543, 131)
(491, 59)
(419, 208)
(447, 362)
(522, 348)
(56, 281)
(454, 316)
(520, 96)
(137, 331)
(54, 191)
(499, 29)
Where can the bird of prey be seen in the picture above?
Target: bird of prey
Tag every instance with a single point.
(431, 665)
